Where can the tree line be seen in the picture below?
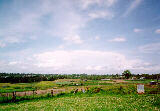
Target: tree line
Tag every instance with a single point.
(28, 78)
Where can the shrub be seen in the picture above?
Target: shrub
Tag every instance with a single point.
(94, 90)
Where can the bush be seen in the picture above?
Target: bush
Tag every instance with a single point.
(94, 90)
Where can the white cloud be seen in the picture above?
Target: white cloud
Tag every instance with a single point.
(29, 24)
(68, 29)
(65, 23)
(13, 63)
(137, 30)
(150, 48)
(101, 14)
(109, 3)
(118, 39)
(87, 3)
(74, 61)
(61, 46)
(157, 31)
(132, 6)
(97, 68)
(84, 61)
(75, 39)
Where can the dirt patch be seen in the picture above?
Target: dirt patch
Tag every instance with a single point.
(116, 81)
(120, 81)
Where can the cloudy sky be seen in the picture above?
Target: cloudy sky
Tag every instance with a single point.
(80, 36)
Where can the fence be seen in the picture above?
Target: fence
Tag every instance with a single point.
(14, 96)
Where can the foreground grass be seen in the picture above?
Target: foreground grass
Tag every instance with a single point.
(89, 102)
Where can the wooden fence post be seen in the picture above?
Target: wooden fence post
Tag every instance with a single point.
(52, 93)
(14, 96)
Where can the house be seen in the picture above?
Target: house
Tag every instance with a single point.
(141, 78)
(134, 78)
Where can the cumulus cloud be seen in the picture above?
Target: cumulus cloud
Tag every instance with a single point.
(118, 39)
(84, 61)
(74, 61)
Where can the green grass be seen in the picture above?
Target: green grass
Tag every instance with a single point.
(88, 102)
(8, 87)
(18, 87)
(112, 97)
(145, 81)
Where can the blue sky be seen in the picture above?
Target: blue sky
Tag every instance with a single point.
(80, 36)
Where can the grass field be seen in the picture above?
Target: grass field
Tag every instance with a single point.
(19, 87)
(88, 102)
(70, 84)
(145, 81)
(8, 87)
(117, 95)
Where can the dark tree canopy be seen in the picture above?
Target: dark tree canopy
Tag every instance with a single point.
(127, 74)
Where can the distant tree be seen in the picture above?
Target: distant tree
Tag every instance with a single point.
(127, 74)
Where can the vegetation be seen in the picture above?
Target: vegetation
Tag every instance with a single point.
(89, 102)
(65, 83)
(29, 78)
(138, 81)
(80, 92)
(118, 89)
(127, 74)
(19, 87)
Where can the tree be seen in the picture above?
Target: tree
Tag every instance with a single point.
(127, 74)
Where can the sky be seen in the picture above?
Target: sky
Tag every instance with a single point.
(80, 36)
